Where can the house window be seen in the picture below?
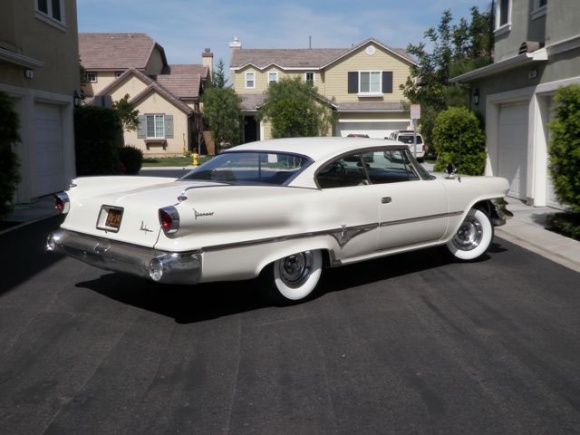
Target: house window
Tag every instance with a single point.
(370, 82)
(309, 77)
(250, 80)
(92, 77)
(155, 125)
(539, 9)
(272, 77)
(51, 8)
(502, 13)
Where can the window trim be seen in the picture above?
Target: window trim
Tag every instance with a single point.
(505, 27)
(246, 79)
(370, 92)
(154, 116)
(275, 74)
(49, 16)
(539, 10)
(92, 77)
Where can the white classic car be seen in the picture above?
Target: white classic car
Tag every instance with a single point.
(282, 210)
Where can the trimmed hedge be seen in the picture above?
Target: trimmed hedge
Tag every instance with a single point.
(459, 140)
(98, 141)
(131, 159)
(9, 165)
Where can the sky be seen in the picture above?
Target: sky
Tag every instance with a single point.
(185, 28)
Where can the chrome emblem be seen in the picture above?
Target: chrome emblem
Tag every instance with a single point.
(144, 228)
(205, 214)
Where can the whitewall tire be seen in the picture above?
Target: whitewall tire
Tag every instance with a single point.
(473, 238)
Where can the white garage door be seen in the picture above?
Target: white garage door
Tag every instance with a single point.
(513, 147)
(376, 130)
(48, 151)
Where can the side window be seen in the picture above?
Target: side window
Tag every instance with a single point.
(346, 171)
(390, 166)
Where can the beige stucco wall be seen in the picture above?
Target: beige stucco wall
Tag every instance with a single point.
(156, 104)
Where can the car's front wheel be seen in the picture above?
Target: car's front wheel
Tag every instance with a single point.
(473, 237)
(293, 278)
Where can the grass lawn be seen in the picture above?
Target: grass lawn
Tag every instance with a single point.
(177, 161)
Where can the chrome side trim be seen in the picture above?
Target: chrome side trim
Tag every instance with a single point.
(422, 218)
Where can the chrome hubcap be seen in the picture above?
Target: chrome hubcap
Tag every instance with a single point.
(296, 268)
(469, 235)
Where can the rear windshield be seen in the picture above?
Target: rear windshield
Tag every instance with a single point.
(408, 139)
(250, 167)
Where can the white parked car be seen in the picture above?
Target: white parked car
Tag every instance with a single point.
(416, 145)
(282, 210)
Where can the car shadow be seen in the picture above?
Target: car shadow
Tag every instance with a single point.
(190, 304)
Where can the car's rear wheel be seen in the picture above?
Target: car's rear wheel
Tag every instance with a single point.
(293, 278)
(473, 237)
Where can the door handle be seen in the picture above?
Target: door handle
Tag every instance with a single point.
(386, 200)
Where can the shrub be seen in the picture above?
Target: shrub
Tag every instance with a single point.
(459, 140)
(98, 141)
(564, 147)
(9, 173)
(131, 159)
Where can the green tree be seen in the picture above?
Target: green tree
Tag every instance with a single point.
(222, 111)
(128, 115)
(455, 49)
(9, 173)
(564, 146)
(219, 78)
(460, 141)
(296, 109)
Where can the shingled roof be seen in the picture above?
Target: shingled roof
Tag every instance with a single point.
(183, 81)
(302, 58)
(116, 51)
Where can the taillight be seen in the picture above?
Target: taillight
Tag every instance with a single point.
(62, 202)
(169, 219)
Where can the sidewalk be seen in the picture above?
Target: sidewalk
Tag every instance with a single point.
(525, 228)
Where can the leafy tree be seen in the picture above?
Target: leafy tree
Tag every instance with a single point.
(564, 146)
(296, 109)
(9, 173)
(456, 49)
(460, 141)
(128, 115)
(222, 110)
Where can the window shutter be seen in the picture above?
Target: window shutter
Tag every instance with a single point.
(387, 82)
(142, 129)
(168, 126)
(353, 82)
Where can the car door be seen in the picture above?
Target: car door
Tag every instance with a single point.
(351, 205)
(412, 211)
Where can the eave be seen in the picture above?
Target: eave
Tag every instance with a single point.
(503, 66)
(19, 59)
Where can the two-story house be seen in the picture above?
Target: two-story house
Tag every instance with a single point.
(361, 84)
(166, 96)
(39, 69)
(537, 50)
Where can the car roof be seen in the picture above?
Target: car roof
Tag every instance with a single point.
(316, 148)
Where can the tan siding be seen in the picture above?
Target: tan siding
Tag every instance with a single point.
(156, 104)
(336, 77)
(132, 86)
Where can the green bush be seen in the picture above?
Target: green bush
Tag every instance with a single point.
(9, 173)
(98, 141)
(131, 159)
(567, 224)
(564, 147)
(459, 139)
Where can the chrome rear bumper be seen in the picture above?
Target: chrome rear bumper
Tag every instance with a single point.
(160, 266)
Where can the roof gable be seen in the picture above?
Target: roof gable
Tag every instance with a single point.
(117, 51)
(304, 58)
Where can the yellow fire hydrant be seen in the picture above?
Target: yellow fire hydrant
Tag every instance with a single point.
(195, 159)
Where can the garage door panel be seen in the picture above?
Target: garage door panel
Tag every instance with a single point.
(49, 150)
(513, 147)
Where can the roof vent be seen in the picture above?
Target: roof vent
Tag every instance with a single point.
(530, 46)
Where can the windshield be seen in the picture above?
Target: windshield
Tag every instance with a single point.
(250, 167)
(408, 139)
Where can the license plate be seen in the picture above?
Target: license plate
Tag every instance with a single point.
(110, 218)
